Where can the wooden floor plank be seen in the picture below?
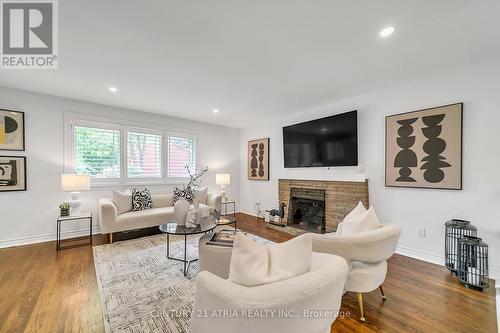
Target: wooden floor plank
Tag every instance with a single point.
(42, 290)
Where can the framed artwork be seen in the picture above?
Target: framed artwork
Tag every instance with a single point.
(423, 148)
(12, 173)
(258, 159)
(11, 130)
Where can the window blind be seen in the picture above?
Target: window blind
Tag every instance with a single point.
(181, 152)
(144, 155)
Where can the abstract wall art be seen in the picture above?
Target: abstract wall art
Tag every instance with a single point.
(11, 130)
(12, 173)
(424, 148)
(258, 159)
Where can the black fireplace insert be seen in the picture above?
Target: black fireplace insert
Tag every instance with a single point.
(307, 209)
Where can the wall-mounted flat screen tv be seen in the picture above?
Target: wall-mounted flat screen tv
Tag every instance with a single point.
(325, 142)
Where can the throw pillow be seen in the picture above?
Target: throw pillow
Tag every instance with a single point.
(359, 209)
(340, 229)
(141, 199)
(183, 193)
(122, 201)
(201, 195)
(364, 222)
(254, 264)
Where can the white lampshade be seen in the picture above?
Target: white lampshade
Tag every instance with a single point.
(75, 183)
(222, 179)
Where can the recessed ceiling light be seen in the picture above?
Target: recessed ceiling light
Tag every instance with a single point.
(113, 89)
(386, 32)
(215, 111)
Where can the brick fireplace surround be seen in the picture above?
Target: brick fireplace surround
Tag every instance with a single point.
(340, 197)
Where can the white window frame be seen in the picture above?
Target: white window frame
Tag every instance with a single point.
(70, 165)
(74, 119)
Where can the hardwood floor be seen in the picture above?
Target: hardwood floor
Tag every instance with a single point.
(42, 290)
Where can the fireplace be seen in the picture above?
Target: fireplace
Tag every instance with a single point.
(307, 209)
(340, 198)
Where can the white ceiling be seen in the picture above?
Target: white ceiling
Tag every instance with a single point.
(250, 59)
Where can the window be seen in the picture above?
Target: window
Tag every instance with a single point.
(97, 152)
(119, 154)
(181, 152)
(144, 155)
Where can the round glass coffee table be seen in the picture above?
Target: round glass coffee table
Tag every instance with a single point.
(171, 228)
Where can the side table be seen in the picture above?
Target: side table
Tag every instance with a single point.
(225, 204)
(61, 219)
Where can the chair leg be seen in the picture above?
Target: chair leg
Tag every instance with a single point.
(360, 302)
(382, 291)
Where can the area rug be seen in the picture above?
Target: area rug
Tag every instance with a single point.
(143, 291)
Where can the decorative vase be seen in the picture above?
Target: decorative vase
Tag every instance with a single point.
(181, 209)
(64, 212)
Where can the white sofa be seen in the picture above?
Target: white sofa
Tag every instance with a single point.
(162, 212)
(222, 306)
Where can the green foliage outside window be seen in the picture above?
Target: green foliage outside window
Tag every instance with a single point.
(97, 152)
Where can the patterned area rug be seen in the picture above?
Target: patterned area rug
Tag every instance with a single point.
(143, 291)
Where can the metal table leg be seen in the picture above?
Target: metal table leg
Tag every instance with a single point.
(57, 235)
(90, 233)
(168, 246)
(185, 254)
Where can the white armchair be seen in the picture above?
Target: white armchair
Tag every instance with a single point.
(222, 306)
(366, 253)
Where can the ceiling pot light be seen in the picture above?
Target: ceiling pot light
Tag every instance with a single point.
(113, 89)
(215, 111)
(386, 32)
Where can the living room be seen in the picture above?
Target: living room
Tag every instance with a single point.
(358, 139)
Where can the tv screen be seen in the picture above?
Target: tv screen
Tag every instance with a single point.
(330, 141)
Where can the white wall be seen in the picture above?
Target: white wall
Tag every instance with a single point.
(478, 87)
(27, 217)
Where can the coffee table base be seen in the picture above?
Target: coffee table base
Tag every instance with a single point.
(186, 262)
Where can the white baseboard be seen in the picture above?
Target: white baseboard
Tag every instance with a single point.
(439, 260)
(420, 255)
(248, 213)
(46, 237)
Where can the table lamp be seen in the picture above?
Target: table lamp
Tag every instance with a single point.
(223, 179)
(74, 184)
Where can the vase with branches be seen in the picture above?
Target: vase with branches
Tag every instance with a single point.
(187, 191)
(194, 178)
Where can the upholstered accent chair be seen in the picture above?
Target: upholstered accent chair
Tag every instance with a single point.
(222, 306)
(366, 253)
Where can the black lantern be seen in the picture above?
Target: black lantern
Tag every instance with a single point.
(473, 262)
(455, 229)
